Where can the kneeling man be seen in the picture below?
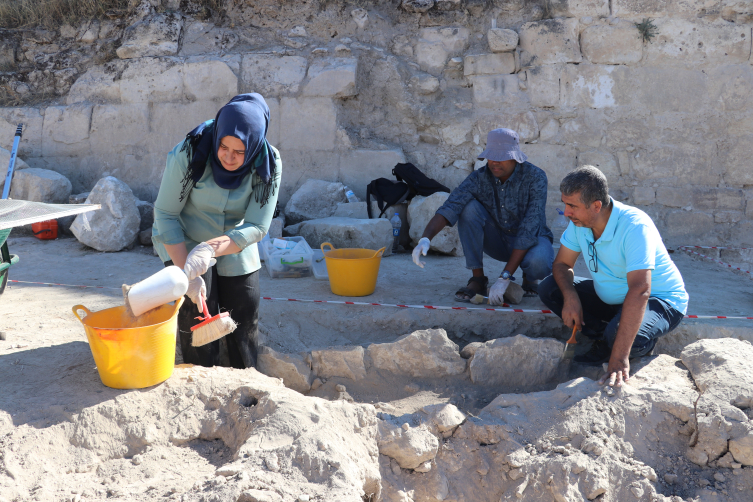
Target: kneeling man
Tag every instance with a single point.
(635, 295)
(500, 211)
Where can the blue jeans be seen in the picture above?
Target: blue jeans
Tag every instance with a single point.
(602, 319)
(479, 235)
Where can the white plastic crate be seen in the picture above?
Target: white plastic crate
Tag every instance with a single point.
(288, 263)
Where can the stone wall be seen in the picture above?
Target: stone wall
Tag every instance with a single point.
(353, 91)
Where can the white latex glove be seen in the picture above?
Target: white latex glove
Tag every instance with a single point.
(199, 260)
(497, 293)
(421, 248)
(196, 291)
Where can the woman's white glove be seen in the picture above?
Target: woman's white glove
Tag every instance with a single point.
(199, 260)
(196, 291)
(497, 293)
(421, 248)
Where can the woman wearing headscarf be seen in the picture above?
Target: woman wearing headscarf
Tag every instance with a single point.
(216, 201)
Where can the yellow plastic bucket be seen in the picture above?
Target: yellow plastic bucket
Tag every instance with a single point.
(132, 355)
(352, 271)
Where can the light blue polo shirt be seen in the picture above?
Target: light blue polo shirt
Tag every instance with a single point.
(630, 242)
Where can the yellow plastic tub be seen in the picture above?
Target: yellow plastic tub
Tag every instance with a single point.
(128, 354)
(352, 271)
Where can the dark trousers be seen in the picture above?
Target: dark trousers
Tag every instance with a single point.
(602, 319)
(238, 295)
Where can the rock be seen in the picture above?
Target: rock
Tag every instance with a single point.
(544, 84)
(79, 198)
(346, 233)
(310, 123)
(259, 496)
(549, 41)
(145, 237)
(579, 8)
(742, 449)
(410, 448)
(444, 417)
(146, 213)
(116, 224)
(502, 40)
(155, 35)
(489, 64)
(314, 200)
(421, 354)
(272, 75)
(293, 369)
(344, 362)
(435, 45)
(425, 84)
(498, 91)
(332, 78)
(423, 209)
(209, 80)
(4, 161)
(516, 361)
(604, 44)
(275, 227)
(670, 479)
(200, 38)
(417, 6)
(514, 293)
(40, 185)
(356, 210)
(470, 349)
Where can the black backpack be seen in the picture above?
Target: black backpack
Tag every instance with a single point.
(410, 182)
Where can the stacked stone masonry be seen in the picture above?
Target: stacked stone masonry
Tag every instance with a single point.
(354, 91)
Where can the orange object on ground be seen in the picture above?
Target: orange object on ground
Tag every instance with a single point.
(352, 271)
(45, 230)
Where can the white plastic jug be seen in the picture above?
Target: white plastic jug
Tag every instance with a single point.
(165, 286)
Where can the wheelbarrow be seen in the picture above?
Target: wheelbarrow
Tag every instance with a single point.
(14, 213)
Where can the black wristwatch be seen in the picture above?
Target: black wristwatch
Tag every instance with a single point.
(507, 276)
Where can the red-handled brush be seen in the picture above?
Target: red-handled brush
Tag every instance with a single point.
(211, 328)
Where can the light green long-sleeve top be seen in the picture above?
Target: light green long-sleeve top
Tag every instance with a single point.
(210, 211)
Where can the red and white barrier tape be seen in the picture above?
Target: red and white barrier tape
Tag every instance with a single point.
(689, 250)
(396, 305)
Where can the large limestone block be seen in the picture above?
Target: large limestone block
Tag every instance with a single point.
(315, 199)
(498, 91)
(294, 371)
(457, 132)
(435, 45)
(302, 165)
(489, 64)
(155, 35)
(687, 160)
(603, 161)
(588, 86)
(579, 8)
(346, 233)
(209, 80)
(682, 41)
(742, 449)
(116, 224)
(555, 160)
(607, 44)
(169, 122)
(502, 40)
(342, 362)
(273, 130)
(431, 56)
(549, 41)
(454, 38)
(356, 210)
(40, 185)
(359, 167)
(332, 77)
(687, 226)
(423, 209)
(516, 361)
(31, 141)
(117, 128)
(421, 354)
(5, 161)
(543, 83)
(99, 84)
(735, 156)
(662, 89)
(66, 130)
(417, 6)
(444, 418)
(524, 124)
(273, 75)
(307, 123)
(410, 447)
(155, 80)
(201, 38)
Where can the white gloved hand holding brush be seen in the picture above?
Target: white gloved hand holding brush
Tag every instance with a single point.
(197, 290)
(199, 260)
(497, 291)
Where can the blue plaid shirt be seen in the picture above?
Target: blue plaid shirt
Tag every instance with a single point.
(517, 206)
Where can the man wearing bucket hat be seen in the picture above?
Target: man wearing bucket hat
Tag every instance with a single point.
(500, 211)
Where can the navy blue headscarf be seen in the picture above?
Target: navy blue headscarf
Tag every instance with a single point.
(245, 117)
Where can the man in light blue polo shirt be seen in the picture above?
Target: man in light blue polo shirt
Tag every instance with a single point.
(636, 293)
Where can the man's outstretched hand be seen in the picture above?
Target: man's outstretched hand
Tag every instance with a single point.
(618, 372)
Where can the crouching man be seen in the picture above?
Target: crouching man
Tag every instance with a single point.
(500, 211)
(635, 294)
